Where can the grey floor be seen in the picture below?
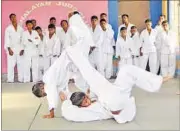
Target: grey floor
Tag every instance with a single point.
(155, 111)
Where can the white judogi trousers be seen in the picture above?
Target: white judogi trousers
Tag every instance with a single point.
(41, 67)
(11, 62)
(107, 65)
(152, 57)
(48, 61)
(136, 61)
(31, 62)
(168, 64)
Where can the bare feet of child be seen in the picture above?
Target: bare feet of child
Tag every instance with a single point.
(167, 78)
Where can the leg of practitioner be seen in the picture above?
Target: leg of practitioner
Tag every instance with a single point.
(172, 65)
(109, 66)
(27, 66)
(11, 62)
(153, 62)
(144, 61)
(164, 65)
(20, 67)
(35, 68)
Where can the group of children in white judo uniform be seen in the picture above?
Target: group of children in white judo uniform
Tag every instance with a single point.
(110, 100)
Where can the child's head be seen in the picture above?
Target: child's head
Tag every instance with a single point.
(29, 24)
(123, 31)
(51, 29)
(133, 30)
(39, 30)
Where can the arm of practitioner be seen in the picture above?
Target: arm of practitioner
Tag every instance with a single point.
(118, 49)
(141, 42)
(7, 42)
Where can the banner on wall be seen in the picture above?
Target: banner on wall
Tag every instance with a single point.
(43, 10)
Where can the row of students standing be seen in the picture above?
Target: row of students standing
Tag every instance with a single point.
(156, 46)
(37, 49)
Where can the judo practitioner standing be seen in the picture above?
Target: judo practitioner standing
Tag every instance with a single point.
(168, 41)
(95, 56)
(135, 46)
(30, 41)
(14, 49)
(106, 49)
(41, 52)
(52, 47)
(148, 38)
(123, 48)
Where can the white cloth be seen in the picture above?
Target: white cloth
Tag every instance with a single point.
(52, 50)
(30, 55)
(114, 97)
(123, 49)
(149, 49)
(13, 39)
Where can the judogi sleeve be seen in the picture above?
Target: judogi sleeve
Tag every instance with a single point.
(142, 38)
(7, 39)
(74, 113)
(118, 48)
(57, 47)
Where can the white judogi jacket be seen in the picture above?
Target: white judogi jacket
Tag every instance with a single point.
(92, 113)
(67, 38)
(52, 46)
(13, 39)
(148, 41)
(168, 42)
(107, 41)
(123, 47)
(41, 46)
(31, 48)
(128, 29)
(96, 34)
(136, 44)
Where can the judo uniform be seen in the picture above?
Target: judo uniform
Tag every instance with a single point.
(41, 57)
(168, 42)
(106, 48)
(31, 55)
(13, 39)
(135, 49)
(112, 97)
(123, 49)
(149, 50)
(95, 56)
(52, 50)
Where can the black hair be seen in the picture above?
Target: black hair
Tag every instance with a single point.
(133, 27)
(103, 14)
(123, 28)
(51, 26)
(76, 12)
(164, 22)
(11, 15)
(64, 21)
(102, 20)
(38, 28)
(94, 17)
(52, 18)
(162, 16)
(33, 20)
(148, 20)
(28, 22)
(125, 15)
(77, 98)
(36, 90)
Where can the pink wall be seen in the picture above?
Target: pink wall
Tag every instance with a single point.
(43, 10)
